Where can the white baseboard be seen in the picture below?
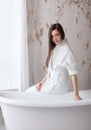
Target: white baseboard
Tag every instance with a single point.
(9, 90)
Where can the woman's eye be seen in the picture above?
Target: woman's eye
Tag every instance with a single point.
(57, 34)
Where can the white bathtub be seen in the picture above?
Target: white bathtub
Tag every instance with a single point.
(22, 111)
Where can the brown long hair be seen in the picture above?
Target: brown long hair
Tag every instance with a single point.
(58, 27)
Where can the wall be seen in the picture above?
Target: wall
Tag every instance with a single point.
(75, 17)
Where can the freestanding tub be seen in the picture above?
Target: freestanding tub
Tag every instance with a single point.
(22, 111)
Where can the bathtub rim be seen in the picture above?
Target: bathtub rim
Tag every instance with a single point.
(24, 103)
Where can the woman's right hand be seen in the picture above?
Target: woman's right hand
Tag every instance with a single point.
(39, 86)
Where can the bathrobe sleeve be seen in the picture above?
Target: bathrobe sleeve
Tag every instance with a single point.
(71, 64)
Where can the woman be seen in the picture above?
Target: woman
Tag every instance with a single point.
(60, 64)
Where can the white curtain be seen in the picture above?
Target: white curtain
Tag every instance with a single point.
(13, 45)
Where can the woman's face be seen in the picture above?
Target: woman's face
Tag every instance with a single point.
(56, 37)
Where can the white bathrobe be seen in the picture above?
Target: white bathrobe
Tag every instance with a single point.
(62, 65)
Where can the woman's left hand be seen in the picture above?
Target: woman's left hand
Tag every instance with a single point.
(77, 97)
